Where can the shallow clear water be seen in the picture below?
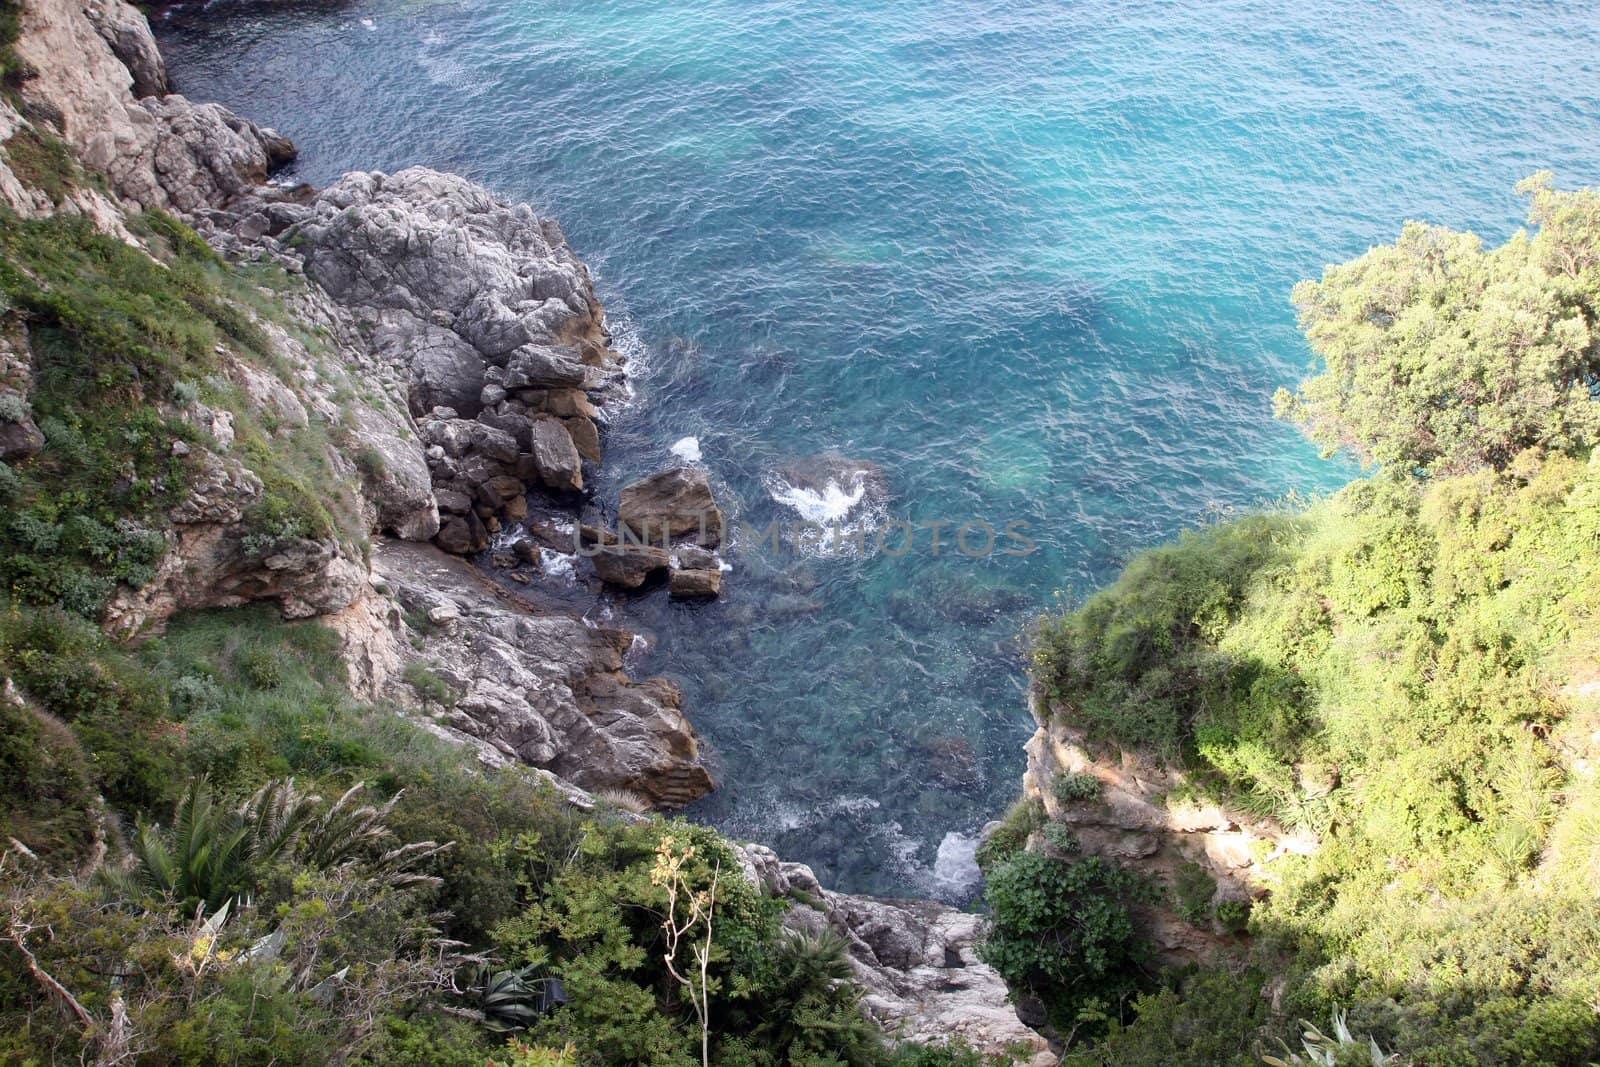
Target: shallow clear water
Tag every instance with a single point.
(1032, 260)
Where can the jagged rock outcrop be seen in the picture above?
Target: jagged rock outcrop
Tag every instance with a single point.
(126, 31)
(672, 504)
(1132, 822)
(917, 960)
(160, 151)
(547, 690)
(480, 307)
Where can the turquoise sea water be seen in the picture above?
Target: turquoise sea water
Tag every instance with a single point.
(1031, 260)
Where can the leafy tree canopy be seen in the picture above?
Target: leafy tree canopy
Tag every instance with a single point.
(1443, 357)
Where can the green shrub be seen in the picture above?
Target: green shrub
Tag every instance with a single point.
(1210, 1018)
(1234, 915)
(47, 798)
(1442, 357)
(428, 685)
(1018, 824)
(1062, 839)
(1064, 931)
(1193, 889)
(1138, 662)
(114, 708)
(43, 162)
(1076, 788)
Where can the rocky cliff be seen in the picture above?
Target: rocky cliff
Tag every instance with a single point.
(1209, 861)
(424, 366)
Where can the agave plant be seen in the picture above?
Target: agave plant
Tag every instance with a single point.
(1331, 1050)
(514, 999)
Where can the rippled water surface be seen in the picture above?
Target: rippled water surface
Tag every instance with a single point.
(1028, 261)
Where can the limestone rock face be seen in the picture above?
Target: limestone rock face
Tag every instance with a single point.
(160, 151)
(19, 435)
(917, 959)
(209, 563)
(395, 477)
(478, 305)
(544, 689)
(446, 372)
(672, 504)
(126, 31)
(436, 244)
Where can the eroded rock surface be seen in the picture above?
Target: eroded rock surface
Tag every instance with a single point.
(159, 151)
(1131, 822)
(481, 310)
(548, 690)
(917, 959)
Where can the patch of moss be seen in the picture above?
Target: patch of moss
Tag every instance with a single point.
(42, 162)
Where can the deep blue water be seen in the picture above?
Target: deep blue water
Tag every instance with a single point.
(1032, 260)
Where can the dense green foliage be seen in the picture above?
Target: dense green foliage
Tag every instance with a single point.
(525, 881)
(1207, 1019)
(1406, 669)
(213, 854)
(123, 345)
(1442, 357)
(1062, 930)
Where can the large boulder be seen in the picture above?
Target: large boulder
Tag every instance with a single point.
(695, 584)
(586, 436)
(672, 504)
(463, 534)
(395, 478)
(628, 566)
(555, 455)
(19, 436)
(544, 367)
(446, 372)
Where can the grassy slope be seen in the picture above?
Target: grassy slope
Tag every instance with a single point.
(103, 738)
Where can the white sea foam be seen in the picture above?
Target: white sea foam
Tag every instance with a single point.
(557, 565)
(828, 505)
(686, 449)
(369, 24)
(953, 877)
(955, 868)
(843, 512)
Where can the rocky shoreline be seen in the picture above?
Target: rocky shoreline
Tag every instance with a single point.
(452, 348)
